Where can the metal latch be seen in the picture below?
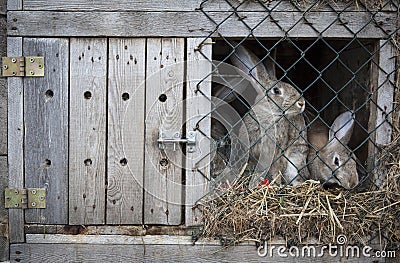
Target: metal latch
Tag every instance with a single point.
(190, 141)
(23, 66)
(25, 198)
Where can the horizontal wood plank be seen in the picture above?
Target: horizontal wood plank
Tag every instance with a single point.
(184, 5)
(158, 253)
(196, 24)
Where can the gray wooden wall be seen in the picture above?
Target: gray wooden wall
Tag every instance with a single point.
(3, 140)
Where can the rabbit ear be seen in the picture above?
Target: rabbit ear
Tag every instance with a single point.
(249, 63)
(224, 93)
(342, 127)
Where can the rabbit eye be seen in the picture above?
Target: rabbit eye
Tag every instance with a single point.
(276, 91)
(336, 161)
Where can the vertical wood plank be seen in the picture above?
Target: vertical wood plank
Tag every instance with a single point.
(46, 129)
(88, 73)
(125, 150)
(384, 100)
(15, 141)
(197, 106)
(164, 94)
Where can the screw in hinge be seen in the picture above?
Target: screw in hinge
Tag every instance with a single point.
(32, 60)
(5, 67)
(33, 204)
(41, 198)
(13, 60)
(33, 192)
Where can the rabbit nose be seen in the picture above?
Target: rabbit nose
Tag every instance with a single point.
(300, 104)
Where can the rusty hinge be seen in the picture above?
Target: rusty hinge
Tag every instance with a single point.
(25, 198)
(23, 66)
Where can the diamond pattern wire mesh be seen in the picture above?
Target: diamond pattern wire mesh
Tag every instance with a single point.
(332, 75)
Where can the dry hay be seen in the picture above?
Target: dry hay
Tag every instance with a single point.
(302, 212)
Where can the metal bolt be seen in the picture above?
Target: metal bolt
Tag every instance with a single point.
(33, 191)
(13, 60)
(5, 67)
(32, 60)
(33, 204)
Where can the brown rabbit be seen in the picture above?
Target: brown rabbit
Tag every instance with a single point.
(274, 126)
(334, 163)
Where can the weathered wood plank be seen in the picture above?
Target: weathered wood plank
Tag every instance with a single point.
(196, 24)
(161, 253)
(164, 112)
(197, 106)
(15, 141)
(183, 5)
(116, 239)
(3, 84)
(88, 116)
(384, 99)
(125, 131)
(128, 230)
(46, 129)
(4, 237)
(14, 5)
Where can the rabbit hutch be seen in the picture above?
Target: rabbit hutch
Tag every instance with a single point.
(113, 151)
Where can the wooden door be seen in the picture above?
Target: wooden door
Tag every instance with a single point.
(91, 124)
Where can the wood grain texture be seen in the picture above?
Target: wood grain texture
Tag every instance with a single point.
(3, 84)
(4, 237)
(125, 150)
(15, 141)
(158, 253)
(46, 129)
(183, 5)
(198, 105)
(384, 100)
(14, 5)
(88, 116)
(196, 24)
(163, 168)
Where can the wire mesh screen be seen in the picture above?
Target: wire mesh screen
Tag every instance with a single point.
(311, 95)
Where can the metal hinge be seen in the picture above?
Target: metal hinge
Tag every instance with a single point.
(190, 141)
(25, 198)
(23, 67)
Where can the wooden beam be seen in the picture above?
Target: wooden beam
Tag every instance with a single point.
(196, 24)
(87, 140)
(46, 133)
(198, 105)
(15, 141)
(184, 5)
(125, 149)
(384, 94)
(162, 252)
